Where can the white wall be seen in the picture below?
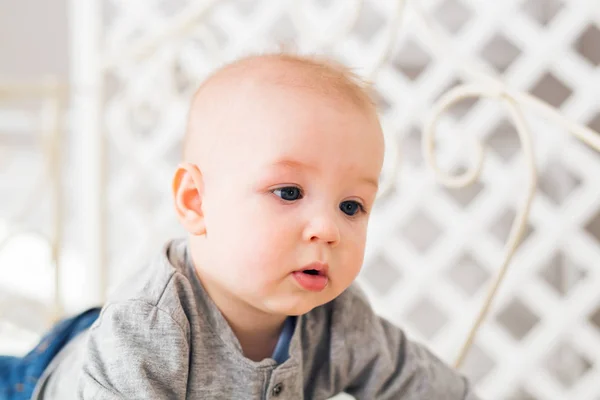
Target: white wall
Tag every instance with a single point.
(33, 38)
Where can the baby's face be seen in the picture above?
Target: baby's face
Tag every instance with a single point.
(287, 199)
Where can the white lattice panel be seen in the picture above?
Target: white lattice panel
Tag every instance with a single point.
(432, 250)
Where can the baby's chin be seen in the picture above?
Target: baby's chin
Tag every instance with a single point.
(297, 306)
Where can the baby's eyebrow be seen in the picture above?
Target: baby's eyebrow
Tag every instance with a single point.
(371, 181)
(289, 163)
(292, 164)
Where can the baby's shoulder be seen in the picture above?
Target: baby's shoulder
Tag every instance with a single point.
(159, 284)
(352, 303)
(346, 312)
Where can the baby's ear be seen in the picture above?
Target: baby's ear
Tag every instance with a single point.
(188, 188)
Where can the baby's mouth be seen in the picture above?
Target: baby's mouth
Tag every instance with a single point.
(313, 277)
(311, 272)
(316, 268)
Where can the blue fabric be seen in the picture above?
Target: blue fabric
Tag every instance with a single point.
(19, 375)
(282, 348)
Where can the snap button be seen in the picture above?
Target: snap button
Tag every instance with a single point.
(277, 389)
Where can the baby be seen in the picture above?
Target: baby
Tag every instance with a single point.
(282, 157)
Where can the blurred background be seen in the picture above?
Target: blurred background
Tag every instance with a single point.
(93, 99)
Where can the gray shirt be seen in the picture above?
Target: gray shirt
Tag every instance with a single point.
(161, 337)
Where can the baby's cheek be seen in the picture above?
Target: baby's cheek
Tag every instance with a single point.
(354, 256)
(263, 251)
(269, 252)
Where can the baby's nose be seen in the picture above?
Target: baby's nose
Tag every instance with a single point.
(323, 229)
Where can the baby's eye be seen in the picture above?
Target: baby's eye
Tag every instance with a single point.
(351, 207)
(288, 193)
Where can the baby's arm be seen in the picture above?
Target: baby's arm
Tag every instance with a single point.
(384, 364)
(135, 351)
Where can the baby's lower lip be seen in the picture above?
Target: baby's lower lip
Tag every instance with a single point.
(314, 283)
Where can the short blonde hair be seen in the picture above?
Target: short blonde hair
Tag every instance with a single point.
(317, 74)
(327, 76)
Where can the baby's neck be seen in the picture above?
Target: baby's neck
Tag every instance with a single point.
(256, 330)
(257, 338)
